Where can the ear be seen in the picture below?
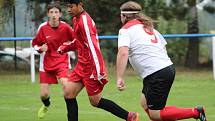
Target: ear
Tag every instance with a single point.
(81, 4)
(47, 13)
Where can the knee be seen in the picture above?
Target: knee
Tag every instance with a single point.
(94, 103)
(154, 115)
(153, 118)
(144, 105)
(94, 100)
(44, 94)
(143, 102)
(69, 94)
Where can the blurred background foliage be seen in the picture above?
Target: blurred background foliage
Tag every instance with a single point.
(170, 16)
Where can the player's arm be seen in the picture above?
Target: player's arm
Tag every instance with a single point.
(121, 63)
(38, 42)
(67, 46)
(71, 44)
(122, 57)
(72, 39)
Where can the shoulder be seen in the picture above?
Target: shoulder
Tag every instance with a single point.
(64, 24)
(86, 17)
(86, 20)
(85, 14)
(123, 33)
(44, 24)
(158, 33)
(131, 23)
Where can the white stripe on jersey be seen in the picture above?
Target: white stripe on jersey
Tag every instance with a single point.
(43, 24)
(93, 51)
(42, 55)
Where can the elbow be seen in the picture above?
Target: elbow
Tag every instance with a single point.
(123, 51)
(123, 54)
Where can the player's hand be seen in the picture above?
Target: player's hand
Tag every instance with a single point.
(121, 84)
(64, 47)
(44, 47)
(61, 49)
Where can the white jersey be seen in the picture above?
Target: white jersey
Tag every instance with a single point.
(147, 52)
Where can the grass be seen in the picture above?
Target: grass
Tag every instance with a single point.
(19, 98)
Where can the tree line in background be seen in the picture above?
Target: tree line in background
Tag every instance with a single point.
(177, 16)
(170, 16)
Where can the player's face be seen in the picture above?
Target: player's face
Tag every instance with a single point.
(73, 9)
(122, 18)
(54, 14)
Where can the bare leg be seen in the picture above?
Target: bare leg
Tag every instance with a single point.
(71, 90)
(44, 93)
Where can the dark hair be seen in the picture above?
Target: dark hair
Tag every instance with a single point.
(72, 1)
(54, 5)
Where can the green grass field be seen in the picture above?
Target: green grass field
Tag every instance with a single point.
(19, 98)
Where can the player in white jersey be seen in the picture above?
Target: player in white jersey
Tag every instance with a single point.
(145, 48)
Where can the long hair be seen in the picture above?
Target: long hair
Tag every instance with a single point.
(132, 10)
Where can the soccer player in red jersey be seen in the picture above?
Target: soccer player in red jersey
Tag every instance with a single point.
(89, 71)
(53, 66)
(145, 48)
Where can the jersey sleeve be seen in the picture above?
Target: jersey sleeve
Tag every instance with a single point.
(72, 39)
(123, 38)
(163, 41)
(88, 33)
(70, 32)
(88, 28)
(73, 45)
(38, 40)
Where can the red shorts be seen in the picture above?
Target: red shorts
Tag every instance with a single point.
(50, 77)
(93, 87)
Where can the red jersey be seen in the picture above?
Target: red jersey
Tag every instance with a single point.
(54, 37)
(90, 60)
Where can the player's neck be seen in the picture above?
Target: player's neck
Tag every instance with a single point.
(54, 23)
(81, 11)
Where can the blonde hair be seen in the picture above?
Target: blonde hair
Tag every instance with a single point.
(132, 10)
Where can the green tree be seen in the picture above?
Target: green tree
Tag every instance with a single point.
(177, 16)
(187, 9)
(6, 12)
(106, 14)
(37, 10)
(166, 21)
(192, 57)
